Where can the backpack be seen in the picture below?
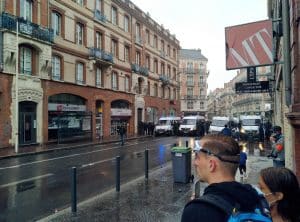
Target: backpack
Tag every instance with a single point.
(261, 212)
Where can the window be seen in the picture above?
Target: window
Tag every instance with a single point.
(26, 60)
(155, 89)
(26, 9)
(168, 50)
(138, 33)
(99, 77)
(162, 92)
(127, 53)
(79, 73)
(162, 45)
(148, 88)
(190, 80)
(201, 105)
(138, 57)
(190, 105)
(201, 79)
(98, 42)
(127, 83)
(114, 81)
(190, 66)
(79, 33)
(155, 64)
(174, 94)
(126, 23)
(148, 36)
(155, 41)
(162, 68)
(190, 91)
(99, 5)
(114, 47)
(79, 2)
(174, 73)
(148, 62)
(114, 15)
(169, 72)
(56, 68)
(56, 23)
(174, 53)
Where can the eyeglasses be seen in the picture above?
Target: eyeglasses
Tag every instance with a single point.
(208, 152)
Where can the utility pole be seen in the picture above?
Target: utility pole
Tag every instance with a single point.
(17, 92)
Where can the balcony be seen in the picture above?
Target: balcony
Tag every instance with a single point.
(33, 30)
(99, 16)
(100, 55)
(140, 69)
(164, 79)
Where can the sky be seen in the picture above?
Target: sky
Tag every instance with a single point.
(200, 24)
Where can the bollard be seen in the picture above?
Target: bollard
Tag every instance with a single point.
(118, 173)
(197, 189)
(74, 190)
(146, 163)
(186, 143)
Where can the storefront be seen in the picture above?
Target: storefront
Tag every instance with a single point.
(120, 115)
(68, 119)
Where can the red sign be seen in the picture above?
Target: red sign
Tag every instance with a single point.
(249, 45)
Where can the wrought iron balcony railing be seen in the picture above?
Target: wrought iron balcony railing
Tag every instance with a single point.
(139, 69)
(98, 15)
(165, 79)
(101, 54)
(8, 21)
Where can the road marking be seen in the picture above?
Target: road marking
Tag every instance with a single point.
(93, 163)
(68, 156)
(26, 180)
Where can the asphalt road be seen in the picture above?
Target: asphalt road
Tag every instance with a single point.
(32, 187)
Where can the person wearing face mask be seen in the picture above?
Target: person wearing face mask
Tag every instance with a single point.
(281, 189)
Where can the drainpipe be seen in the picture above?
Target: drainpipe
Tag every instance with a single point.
(286, 51)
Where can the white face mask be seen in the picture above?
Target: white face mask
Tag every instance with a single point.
(271, 203)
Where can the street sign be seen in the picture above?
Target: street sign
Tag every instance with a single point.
(252, 87)
(251, 74)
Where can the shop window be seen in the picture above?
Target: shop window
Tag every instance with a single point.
(56, 67)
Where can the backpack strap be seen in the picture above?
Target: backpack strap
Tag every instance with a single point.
(218, 202)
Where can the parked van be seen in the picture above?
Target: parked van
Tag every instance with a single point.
(189, 125)
(165, 125)
(218, 123)
(250, 126)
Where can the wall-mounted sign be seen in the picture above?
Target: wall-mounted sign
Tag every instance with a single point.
(66, 107)
(121, 112)
(252, 87)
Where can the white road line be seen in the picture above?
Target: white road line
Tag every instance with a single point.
(26, 180)
(93, 163)
(62, 157)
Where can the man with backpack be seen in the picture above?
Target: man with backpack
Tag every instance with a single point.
(226, 131)
(224, 199)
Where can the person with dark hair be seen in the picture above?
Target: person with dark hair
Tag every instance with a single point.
(226, 131)
(277, 142)
(281, 189)
(216, 163)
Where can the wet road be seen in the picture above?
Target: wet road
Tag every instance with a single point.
(33, 187)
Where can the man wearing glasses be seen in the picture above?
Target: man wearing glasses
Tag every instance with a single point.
(216, 162)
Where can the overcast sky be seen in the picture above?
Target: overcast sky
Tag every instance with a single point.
(200, 24)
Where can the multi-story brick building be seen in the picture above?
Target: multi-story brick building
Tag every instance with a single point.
(84, 68)
(193, 81)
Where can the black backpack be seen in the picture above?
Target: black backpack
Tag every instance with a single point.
(261, 213)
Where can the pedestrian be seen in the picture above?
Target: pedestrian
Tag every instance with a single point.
(216, 162)
(122, 132)
(243, 163)
(277, 143)
(281, 189)
(226, 131)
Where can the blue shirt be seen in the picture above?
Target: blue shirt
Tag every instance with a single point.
(243, 158)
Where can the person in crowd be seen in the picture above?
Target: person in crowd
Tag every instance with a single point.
(216, 162)
(243, 163)
(277, 142)
(281, 189)
(226, 131)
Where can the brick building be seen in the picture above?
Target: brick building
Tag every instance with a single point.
(286, 17)
(84, 68)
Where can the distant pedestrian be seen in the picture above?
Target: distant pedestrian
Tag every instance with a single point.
(226, 131)
(277, 152)
(122, 133)
(243, 163)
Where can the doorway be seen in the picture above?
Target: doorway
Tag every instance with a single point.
(27, 123)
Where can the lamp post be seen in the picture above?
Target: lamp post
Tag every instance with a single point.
(17, 92)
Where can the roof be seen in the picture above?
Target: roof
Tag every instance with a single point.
(194, 54)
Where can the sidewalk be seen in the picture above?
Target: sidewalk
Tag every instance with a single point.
(158, 199)
(45, 148)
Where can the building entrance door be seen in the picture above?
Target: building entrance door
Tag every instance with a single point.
(27, 123)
